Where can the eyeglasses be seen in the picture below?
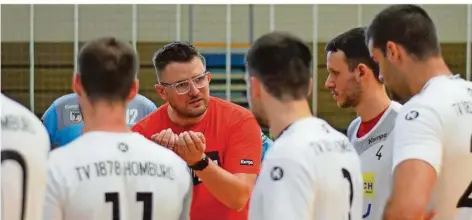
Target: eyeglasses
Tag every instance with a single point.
(183, 87)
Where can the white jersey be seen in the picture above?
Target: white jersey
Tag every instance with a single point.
(436, 126)
(375, 151)
(25, 146)
(105, 175)
(311, 172)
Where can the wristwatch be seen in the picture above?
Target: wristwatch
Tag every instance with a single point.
(200, 165)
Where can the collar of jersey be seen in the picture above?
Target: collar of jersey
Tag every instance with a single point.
(282, 132)
(437, 78)
(290, 125)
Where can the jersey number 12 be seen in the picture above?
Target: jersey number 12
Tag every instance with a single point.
(145, 197)
(465, 201)
(131, 116)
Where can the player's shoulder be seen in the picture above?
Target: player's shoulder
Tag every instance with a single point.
(395, 106)
(441, 90)
(17, 118)
(230, 109)
(230, 113)
(437, 98)
(67, 101)
(95, 142)
(142, 100)
(305, 137)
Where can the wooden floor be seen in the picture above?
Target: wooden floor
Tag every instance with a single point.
(54, 69)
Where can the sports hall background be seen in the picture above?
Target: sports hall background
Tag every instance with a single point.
(39, 43)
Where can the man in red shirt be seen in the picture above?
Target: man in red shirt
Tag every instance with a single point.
(220, 141)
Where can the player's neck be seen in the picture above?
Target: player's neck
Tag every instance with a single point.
(372, 103)
(183, 121)
(422, 72)
(105, 117)
(282, 114)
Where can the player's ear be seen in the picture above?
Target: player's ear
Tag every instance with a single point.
(161, 92)
(134, 90)
(362, 71)
(392, 52)
(209, 76)
(77, 85)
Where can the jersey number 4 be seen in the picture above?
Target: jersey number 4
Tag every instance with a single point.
(466, 201)
(145, 197)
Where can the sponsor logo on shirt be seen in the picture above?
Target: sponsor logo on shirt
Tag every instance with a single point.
(71, 106)
(378, 138)
(246, 162)
(369, 183)
(411, 115)
(276, 173)
(123, 147)
(75, 116)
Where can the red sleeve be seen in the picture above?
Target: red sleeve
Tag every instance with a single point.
(140, 128)
(244, 149)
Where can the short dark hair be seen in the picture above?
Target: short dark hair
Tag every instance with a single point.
(282, 62)
(352, 43)
(180, 52)
(107, 68)
(407, 25)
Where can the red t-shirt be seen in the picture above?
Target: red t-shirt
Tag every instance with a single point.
(232, 136)
(365, 127)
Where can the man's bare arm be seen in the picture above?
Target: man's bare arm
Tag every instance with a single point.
(233, 190)
(413, 183)
(417, 159)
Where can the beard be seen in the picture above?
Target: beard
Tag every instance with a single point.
(187, 112)
(353, 94)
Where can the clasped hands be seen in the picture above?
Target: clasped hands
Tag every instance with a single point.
(189, 145)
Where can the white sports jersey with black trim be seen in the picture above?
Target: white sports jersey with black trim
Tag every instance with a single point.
(375, 151)
(311, 172)
(25, 146)
(436, 126)
(105, 175)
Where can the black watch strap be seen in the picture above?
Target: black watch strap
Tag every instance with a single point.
(200, 165)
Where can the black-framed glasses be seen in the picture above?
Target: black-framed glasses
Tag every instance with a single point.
(183, 87)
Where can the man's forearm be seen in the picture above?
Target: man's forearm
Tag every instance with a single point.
(228, 188)
(395, 211)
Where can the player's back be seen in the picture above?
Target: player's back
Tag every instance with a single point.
(25, 146)
(375, 151)
(331, 162)
(450, 103)
(339, 185)
(104, 175)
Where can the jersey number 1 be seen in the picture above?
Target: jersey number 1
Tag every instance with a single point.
(465, 201)
(145, 197)
(347, 176)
